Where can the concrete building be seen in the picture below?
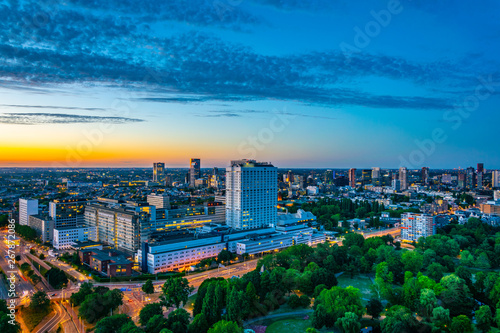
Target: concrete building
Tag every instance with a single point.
(43, 225)
(159, 200)
(425, 176)
(470, 178)
(122, 226)
(413, 226)
(192, 216)
(65, 237)
(352, 178)
(27, 207)
(251, 194)
(67, 212)
(403, 178)
(107, 263)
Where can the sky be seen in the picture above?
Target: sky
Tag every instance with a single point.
(326, 83)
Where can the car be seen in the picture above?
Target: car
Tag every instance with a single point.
(130, 300)
(52, 295)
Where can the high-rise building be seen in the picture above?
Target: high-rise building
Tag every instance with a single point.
(123, 227)
(158, 172)
(403, 178)
(27, 207)
(469, 178)
(329, 176)
(425, 176)
(495, 178)
(414, 226)
(461, 180)
(366, 176)
(479, 176)
(194, 171)
(376, 176)
(67, 212)
(352, 178)
(396, 185)
(251, 194)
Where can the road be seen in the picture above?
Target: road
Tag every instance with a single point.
(59, 316)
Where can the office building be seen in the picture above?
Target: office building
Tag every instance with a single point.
(121, 226)
(352, 178)
(461, 180)
(366, 176)
(65, 238)
(376, 176)
(425, 176)
(43, 225)
(194, 171)
(470, 178)
(479, 176)
(107, 263)
(403, 178)
(67, 212)
(251, 194)
(159, 200)
(413, 226)
(191, 216)
(329, 176)
(158, 172)
(495, 178)
(27, 207)
(396, 185)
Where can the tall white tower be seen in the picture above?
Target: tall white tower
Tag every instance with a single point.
(403, 178)
(251, 194)
(27, 207)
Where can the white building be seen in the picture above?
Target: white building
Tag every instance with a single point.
(413, 226)
(159, 201)
(27, 207)
(312, 190)
(403, 178)
(251, 194)
(64, 238)
(495, 178)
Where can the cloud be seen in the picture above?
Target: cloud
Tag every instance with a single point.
(51, 107)
(241, 113)
(56, 118)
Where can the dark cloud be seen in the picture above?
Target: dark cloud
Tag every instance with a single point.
(56, 118)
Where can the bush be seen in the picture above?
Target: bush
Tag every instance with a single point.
(294, 301)
(305, 301)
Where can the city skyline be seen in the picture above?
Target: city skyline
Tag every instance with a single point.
(317, 84)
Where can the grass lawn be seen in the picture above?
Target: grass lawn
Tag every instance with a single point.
(289, 326)
(190, 303)
(33, 317)
(361, 281)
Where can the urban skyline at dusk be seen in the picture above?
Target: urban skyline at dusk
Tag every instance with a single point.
(303, 85)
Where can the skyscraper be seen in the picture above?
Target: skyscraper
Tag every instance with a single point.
(67, 212)
(158, 172)
(495, 178)
(479, 176)
(469, 178)
(329, 176)
(27, 207)
(376, 176)
(251, 194)
(425, 176)
(366, 176)
(352, 177)
(194, 171)
(403, 178)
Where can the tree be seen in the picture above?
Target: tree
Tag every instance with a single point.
(435, 271)
(178, 321)
(441, 317)
(130, 328)
(112, 324)
(7, 324)
(349, 323)
(175, 291)
(293, 301)
(149, 311)
(85, 289)
(156, 324)
(199, 324)
(455, 295)
(148, 287)
(399, 319)
(462, 324)
(374, 308)
(484, 318)
(352, 239)
(56, 278)
(225, 256)
(224, 326)
(335, 303)
(42, 256)
(98, 305)
(427, 301)
(413, 261)
(39, 300)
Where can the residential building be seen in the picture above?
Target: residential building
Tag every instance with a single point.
(376, 176)
(396, 185)
(403, 178)
(469, 178)
(413, 226)
(65, 237)
(424, 175)
(27, 207)
(352, 178)
(251, 194)
(495, 178)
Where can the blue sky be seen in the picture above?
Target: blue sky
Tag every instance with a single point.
(298, 83)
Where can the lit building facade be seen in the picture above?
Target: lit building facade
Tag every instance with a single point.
(27, 207)
(413, 226)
